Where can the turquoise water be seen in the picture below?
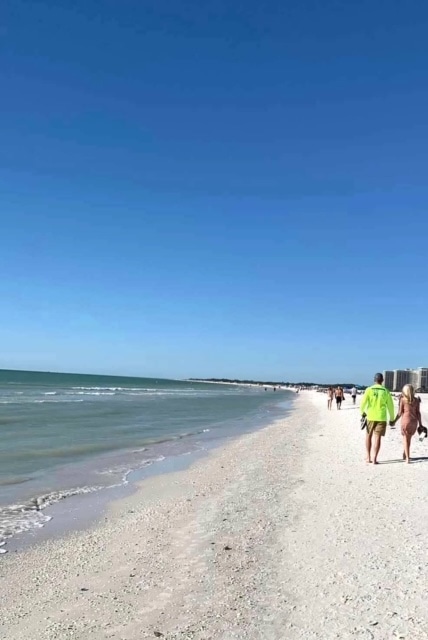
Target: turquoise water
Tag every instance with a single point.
(63, 434)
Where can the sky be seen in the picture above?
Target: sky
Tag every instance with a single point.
(215, 189)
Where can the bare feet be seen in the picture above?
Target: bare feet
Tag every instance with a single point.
(375, 462)
(368, 460)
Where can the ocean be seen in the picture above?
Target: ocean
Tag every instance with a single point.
(69, 434)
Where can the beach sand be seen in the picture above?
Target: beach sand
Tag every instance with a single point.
(284, 533)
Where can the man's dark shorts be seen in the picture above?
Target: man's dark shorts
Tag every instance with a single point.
(376, 427)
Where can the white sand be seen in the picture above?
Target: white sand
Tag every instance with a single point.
(320, 545)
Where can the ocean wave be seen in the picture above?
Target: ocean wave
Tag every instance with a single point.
(52, 401)
(18, 518)
(111, 389)
(150, 461)
(82, 394)
(92, 393)
(146, 391)
(31, 400)
(23, 517)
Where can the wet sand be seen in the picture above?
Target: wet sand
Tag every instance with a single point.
(283, 533)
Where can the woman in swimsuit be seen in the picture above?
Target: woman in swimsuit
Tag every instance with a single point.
(330, 395)
(410, 413)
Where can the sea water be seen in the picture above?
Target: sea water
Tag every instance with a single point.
(65, 434)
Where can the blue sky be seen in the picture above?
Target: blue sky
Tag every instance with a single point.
(200, 189)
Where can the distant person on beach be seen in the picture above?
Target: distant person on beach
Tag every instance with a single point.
(376, 404)
(410, 413)
(330, 396)
(354, 394)
(339, 397)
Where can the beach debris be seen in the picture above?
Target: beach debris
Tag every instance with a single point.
(227, 548)
(84, 589)
(158, 634)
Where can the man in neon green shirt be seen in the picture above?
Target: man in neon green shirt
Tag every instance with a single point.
(376, 403)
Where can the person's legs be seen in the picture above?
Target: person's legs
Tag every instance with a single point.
(353, 399)
(407, 440)
(377, 441)
(368, 446)
(405, 448)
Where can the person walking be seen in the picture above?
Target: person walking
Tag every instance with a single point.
(330, 396)
(376, 404)
(409, 411)
(354, 394)
(339, 397)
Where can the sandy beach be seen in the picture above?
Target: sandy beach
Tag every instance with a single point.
(285, 533)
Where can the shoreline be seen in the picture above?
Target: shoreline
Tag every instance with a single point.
(268, 537)
(83, 509)
(82, 512)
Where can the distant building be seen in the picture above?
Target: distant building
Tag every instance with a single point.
(420, 378)
(388, 378)
(395, 380)
(401, 377)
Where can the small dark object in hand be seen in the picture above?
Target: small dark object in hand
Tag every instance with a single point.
(363, 422)
(423, 430)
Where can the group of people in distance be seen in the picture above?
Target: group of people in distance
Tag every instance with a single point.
(337, 394)
(377, 403)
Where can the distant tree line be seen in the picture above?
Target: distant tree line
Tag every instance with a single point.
(279, 384)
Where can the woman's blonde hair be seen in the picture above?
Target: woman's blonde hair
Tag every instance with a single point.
(409, 393)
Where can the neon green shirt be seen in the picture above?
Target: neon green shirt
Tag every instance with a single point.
(376, 403)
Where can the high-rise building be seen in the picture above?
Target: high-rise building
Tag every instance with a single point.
(395, 380)
(420, 378)
(388, 380)
(401, 377)
(424, 378)
(415, 379)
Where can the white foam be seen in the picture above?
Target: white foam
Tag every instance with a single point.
(19, 518)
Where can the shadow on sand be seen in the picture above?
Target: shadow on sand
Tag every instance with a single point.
(412, 460)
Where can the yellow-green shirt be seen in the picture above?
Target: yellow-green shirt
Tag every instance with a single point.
(376, 403)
